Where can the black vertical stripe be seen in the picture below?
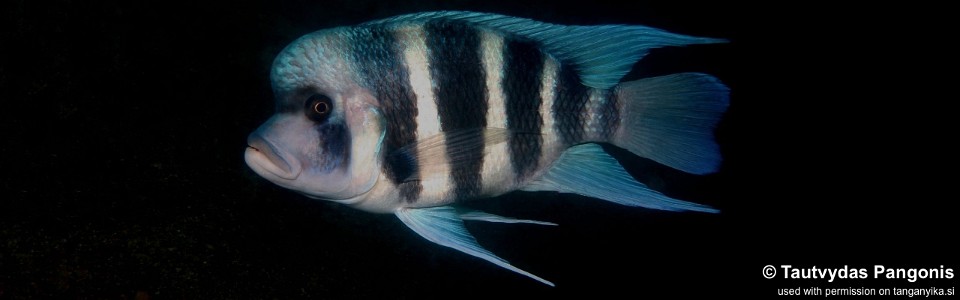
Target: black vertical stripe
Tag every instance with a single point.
(379, 60)
(335, 142)
(523, 67)
(609, 115)
(570, 100)
(460, 90)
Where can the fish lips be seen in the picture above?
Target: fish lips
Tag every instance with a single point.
(264, 157)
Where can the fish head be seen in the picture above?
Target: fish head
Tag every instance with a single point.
(324, 139)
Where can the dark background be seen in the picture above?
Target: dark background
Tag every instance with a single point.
(124, 124)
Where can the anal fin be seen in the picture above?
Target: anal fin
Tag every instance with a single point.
(589, 171)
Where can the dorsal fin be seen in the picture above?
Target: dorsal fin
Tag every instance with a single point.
(601, 54)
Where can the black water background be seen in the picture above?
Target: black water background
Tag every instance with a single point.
(124, 123)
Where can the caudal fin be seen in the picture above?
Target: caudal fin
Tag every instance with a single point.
(670, 119)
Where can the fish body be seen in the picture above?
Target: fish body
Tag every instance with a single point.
(415, 114)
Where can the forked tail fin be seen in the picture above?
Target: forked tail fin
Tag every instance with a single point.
(670, 119)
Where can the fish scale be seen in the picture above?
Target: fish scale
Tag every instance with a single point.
(457, 73)
(609, 114)
(569, 106)
(523, 62)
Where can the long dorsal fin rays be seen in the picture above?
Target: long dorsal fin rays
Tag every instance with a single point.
(589, 171)
(601, 54)
(476, 215)
(444, 226)
(452, 145)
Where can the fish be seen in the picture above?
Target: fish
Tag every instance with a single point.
(417, 115)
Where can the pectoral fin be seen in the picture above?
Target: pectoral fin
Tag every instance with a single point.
(442, 225)
(455, 147)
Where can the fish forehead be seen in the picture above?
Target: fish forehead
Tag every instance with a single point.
(317, 61)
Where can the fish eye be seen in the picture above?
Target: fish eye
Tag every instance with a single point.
(319, 107)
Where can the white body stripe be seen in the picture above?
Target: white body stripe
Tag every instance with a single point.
(548, 85)
(550, 148)
(434, 171)
(491, 46)
(592, 125)
(415, 56)
(495, 173)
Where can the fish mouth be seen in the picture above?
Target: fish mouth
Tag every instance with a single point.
(264, 158)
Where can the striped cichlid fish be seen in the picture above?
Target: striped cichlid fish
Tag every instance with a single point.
(413, 114)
